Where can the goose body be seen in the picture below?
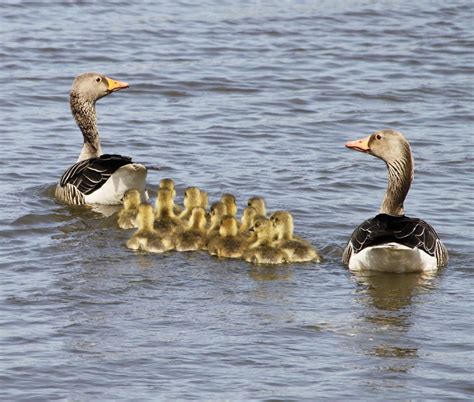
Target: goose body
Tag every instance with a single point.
(96, 178)
(392, 241)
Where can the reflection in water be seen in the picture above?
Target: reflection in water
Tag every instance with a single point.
(389, 310)
(269, 273)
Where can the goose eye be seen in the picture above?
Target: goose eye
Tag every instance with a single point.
(378, 136)
(97, 79)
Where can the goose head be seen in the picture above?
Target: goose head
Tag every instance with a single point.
(94, 86)
(392, 147)
(388, 145)
(131, 199)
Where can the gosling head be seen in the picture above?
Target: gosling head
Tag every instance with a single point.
(230, 204)
(228, 226)
(131, 199)
(145, 216)
(169, 184)
(91, 87)
(198, 218)
(282, 223)
(217, 211)
(259, 204)
(263, 228)
(192, 198)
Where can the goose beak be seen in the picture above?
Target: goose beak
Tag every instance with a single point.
(116, 85)
(361, 145)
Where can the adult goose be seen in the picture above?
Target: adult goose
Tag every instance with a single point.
(391, 241)
(96, 178)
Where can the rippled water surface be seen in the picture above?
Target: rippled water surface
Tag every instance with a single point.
(254, 98)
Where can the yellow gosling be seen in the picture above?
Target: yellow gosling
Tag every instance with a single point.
(259, 204)
(167, 223)
(194, 237)
(230, 204)
(192, 198)
(128, 214)
(230, 244)
(216, 212)
(297, 250)
(247, 221)
(146, 237)
(261, 251)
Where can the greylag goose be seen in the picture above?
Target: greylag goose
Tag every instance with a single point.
(96, 178)
(297, 250)
(391, 241)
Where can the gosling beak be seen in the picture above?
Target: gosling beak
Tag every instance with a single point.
(361, 145)
(115, 85)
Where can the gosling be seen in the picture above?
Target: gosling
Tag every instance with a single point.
(261, 251)
(192, 199)
(230, 204)
(194, 237)
(297, 250)
(146, 237)
(259, 204)
(167, 223)
(128, 214)
(230, 244)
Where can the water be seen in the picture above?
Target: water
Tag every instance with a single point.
(254, 98)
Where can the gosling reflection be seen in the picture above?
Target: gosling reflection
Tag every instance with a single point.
(270, 273)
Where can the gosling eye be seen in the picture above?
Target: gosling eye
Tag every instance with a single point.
(98, 79)
(378, 136)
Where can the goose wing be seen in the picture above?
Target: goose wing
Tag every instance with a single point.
(410, 232)
(91, 174)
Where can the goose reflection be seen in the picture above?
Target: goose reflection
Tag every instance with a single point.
(390, 301)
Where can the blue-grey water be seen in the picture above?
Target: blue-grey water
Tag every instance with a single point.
(253, 98)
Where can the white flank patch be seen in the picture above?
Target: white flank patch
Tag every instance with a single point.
(392, 257)
(127, 177)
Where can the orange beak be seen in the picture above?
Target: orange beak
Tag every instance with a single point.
(361, 145)
(116, 85)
